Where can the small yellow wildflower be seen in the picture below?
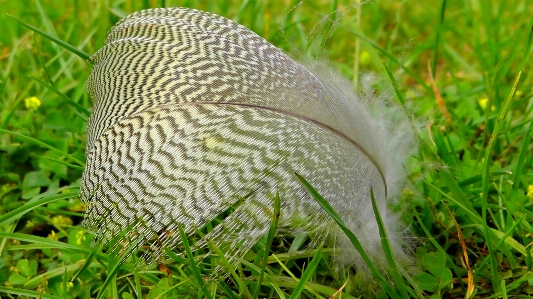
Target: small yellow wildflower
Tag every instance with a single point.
(42, 287)
(14, 269)
(70, 285)
(483, 104)
(52, 236)
(32, 103)
(30, 224)
(60, 220)
(364, 58)
(530, 192)
(407, 193)
(80, 237)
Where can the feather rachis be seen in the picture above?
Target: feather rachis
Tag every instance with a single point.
(191, 112)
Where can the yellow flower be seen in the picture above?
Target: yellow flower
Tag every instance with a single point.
(406, 193)
(530, 192)
(53, 236)
(80, 237)
(32, 103)
(483, 104)
(364, 58)
(60, 220)
(42, 288)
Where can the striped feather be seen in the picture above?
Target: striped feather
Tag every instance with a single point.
(194, 113)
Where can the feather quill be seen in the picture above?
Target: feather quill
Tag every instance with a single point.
(194, 113)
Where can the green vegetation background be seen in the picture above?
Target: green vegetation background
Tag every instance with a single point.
(454, 61)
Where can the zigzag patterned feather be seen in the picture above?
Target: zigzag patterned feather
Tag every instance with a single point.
(194, 113)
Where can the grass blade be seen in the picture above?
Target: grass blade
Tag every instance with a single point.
(497, 246)
(230, 268)
(65, 282)
(114, 263)
(27, 293)
(270, 238)
(77, 107)
(174, 256)
(40, 143)
(307, 274)
(387, 249)
(470, 212)
(515, 284)
(389, 55)
(56, 272)
(295, 279)
(32, 204)
(171, 289)
(394, 85)
(50, 243)
(416, 290)
(61, 43)
(8, 229)
(88, 261)
(312, 287)
(226, 288)
(438, 38)
(520, 165)
(470, 277)
(485, 184)
(325, 205)
(192, 262)
(64, 163)
(137, 279)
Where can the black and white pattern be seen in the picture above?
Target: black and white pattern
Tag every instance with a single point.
(193, 112)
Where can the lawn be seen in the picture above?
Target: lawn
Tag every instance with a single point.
(460, 69)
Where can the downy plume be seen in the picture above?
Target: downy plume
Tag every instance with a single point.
(195, 115)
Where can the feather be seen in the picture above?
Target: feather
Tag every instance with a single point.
(195, 114)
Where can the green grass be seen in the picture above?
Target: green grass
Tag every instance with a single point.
(475, 158)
